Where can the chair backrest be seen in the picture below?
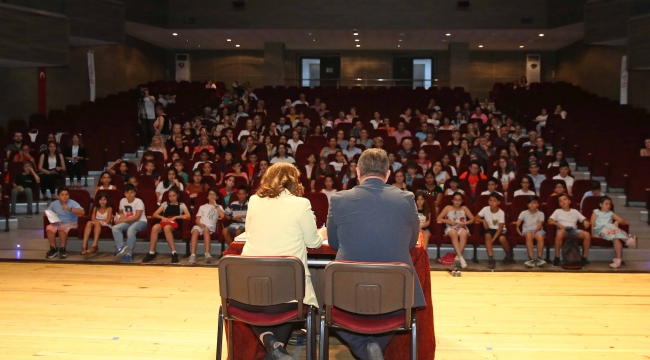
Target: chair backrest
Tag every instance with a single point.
(580, 187)
(320, 206)
(145, 182)
(548, 186)
(184, 198)
(369, 288)
(149, 199)
(83, 198)
(590, 204)
(261, 281)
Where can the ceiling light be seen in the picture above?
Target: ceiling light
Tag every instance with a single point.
(399, 45)
(237, 45)
(356, 34)
(541, 34)
(358, 45)
(399, 40)
(175, 34)
(521, 46)
(314, 39)
(199, 45)
(309, 33)
(356, 39)
(447, 34)
(228, 40)
(480, 46)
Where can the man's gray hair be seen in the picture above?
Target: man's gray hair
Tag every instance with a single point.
(373, 162)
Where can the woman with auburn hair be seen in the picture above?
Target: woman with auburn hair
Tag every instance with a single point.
(289, 232)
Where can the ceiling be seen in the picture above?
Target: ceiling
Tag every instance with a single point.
(376, 39)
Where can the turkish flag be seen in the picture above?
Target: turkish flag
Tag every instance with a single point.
(42, 90)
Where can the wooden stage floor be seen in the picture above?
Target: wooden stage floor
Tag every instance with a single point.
(69, 311)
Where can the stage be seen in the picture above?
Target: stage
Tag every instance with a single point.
(86, 311)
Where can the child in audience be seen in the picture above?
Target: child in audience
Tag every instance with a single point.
(175, 156)
(227, 190)
(149, 171)
(206, 224)
(320, 172)
(566, 220)
(394, 165)
(532, 229)
(196, 186)
(122, 169)
(179, 165)
(227, 156)
(606, 224)
(453, 186)
(456, 217)
(422, 161)
(102, 214)
(536, 176)
(236, 213)
(133, 180)
(351, 174)
(24, 183)
(595, 191)
(559, 189)
(400, 180)
(131, 218)
(204, 157)
(446, 161)
(504, 173)
(207, 171)
(494, 224)
(425, 218)
(412, 172)
(526, 187)
(329, 189)
(171, 215)
(441, 176)
(167, 183)
(564, 175)
(146, 157)
(68, 212)
(104, 183)
(236, 170)
(492, 187)
(339, 162)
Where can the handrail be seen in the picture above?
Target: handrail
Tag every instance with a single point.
(363, 82)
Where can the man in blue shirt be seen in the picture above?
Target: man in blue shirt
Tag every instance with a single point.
(68, 212)
(536, 176)
(595, 191)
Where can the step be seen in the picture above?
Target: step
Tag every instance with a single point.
(521, 254)
(91, 181)
(581, 175)
(573, 166)
(618, 200)
(13, 224)
(21, 208)
(643, 215)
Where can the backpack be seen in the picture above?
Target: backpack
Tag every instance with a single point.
(571, 257)
(448, 259)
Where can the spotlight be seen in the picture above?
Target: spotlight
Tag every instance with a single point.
(228, 40)
(541, 35)
(447, 34)
(175, 34)
(356, 39)
(480, 46)
(356, 34)
(358, 45)
(237, 45)
(521, 46)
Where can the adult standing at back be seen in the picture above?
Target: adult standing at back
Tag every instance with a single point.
(147, 115)
(373, 222)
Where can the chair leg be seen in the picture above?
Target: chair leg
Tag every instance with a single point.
(310, 324)
(223, 248)
(437, 251)
(220, 333)
(414, 338)
(548, 254)
(187, 249)
(475, 258)
(86, 180)
(231, 351)
(37, 206)
(324, 341)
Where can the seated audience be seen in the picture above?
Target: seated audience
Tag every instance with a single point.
(430, 187)
(401, 132)
(532, 229)
(453, 188)
(339, 162)
(456, 217)
(102, 215)
(424, 215)
(606, 226)
(50, 166)
(171, 215)
(351, 150)
(329, 188)
(131, 218)
(595, 190)
(237, 170)
(167, 183)
(558, 159)
(295, 141)
(400, 180)
(492, 187)
(422, 161)
(196, 186)
(473, 176)
(16, 145)
(541, 120)
(158, 145)
(282, 155)
(527, 187)
(406, 150)
(493, 220)
(646, 150)
(412, 172)
(206, 224)
(236, 213)
(331, 149)
(566, 220)
(350, 175)
(504, 173)
(564, 175)
(320, 172)
(24, 183)
(536, 176)
(68, 212)
(24, 155)
(104, 183)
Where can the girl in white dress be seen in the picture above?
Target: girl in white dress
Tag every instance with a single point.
(457, 216)
(104, 183)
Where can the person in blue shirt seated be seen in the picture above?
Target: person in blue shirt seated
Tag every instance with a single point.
(422, 134)
(68, 212)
